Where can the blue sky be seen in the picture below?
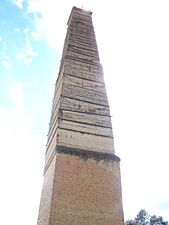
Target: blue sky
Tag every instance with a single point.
(27, 68)
(27, 64)
(133, 43)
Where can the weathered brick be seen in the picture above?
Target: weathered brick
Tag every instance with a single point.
(82, 184)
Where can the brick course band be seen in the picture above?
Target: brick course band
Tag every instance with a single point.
(84, 154)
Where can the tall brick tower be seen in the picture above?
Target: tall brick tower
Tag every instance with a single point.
(82, 184)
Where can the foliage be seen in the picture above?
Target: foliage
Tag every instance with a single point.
(154, 220)
(143, 218)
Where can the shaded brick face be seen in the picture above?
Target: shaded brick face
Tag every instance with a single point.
(46, 196)
(86, 192)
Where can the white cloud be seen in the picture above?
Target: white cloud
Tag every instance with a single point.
(48, 24)
(26, 30)
(26, 58)
(27, 54)
(16, 93)
(19, 167)
(18, 3)
(6, 64)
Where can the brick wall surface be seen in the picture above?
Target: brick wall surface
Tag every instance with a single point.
(86, 192)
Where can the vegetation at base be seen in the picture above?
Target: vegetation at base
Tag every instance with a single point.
(143, 218)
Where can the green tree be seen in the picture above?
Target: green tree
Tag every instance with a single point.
(143, 218)
(154, 220)
(130, 222)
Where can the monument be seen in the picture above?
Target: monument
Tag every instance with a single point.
(82, 184)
